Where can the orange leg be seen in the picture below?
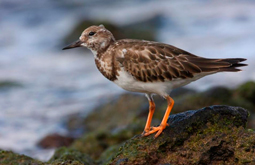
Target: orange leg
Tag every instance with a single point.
(149, 118)
(163, 124)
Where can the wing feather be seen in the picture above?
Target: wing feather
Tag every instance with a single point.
(152, 61)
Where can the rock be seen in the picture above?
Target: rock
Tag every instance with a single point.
(135, 107)
(109, 116)
(54, 141)
(213, 96)
(116, 114)
(212, 135)
(109, 153)
(124, 117)
(106, 126)
(8, 157)
(75, 124)
(68, 156)
(104, 140)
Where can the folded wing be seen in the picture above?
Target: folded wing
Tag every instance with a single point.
(160, 62)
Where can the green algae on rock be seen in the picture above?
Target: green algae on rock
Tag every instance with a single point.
(8, 157)
(70, 156)
(211, 135)
(99, 144)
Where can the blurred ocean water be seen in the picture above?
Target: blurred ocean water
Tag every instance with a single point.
(58, 83)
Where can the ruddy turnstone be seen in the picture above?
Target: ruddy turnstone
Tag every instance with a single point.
(149, 67)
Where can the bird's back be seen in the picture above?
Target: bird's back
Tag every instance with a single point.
(152, 61)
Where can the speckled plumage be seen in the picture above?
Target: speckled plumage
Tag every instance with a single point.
(148, 67)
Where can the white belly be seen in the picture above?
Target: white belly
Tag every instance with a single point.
(128, 82)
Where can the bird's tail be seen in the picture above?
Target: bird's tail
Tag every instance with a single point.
(218, 65)
(234, 64)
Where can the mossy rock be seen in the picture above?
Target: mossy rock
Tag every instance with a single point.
(9, 157)
(116, 114)
(62, 156)
(109, 153)
(211, 135)
(98, 142)
(70, 156)
(245, 147)
(66, 162)
(127, 114)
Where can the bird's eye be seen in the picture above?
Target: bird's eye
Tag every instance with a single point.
(91, 33)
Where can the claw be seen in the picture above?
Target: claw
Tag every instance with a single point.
(144, 133)
(158, 129)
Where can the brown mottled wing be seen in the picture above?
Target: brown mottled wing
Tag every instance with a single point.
(159, 62)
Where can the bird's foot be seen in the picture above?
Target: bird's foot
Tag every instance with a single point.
(152, 130)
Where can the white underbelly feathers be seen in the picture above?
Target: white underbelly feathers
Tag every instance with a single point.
(128, 82)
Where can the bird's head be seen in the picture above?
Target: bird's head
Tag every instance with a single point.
(95, 38)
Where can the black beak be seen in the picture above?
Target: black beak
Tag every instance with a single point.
(73, 45)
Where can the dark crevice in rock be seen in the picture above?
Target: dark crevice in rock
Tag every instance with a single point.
(219, 153)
